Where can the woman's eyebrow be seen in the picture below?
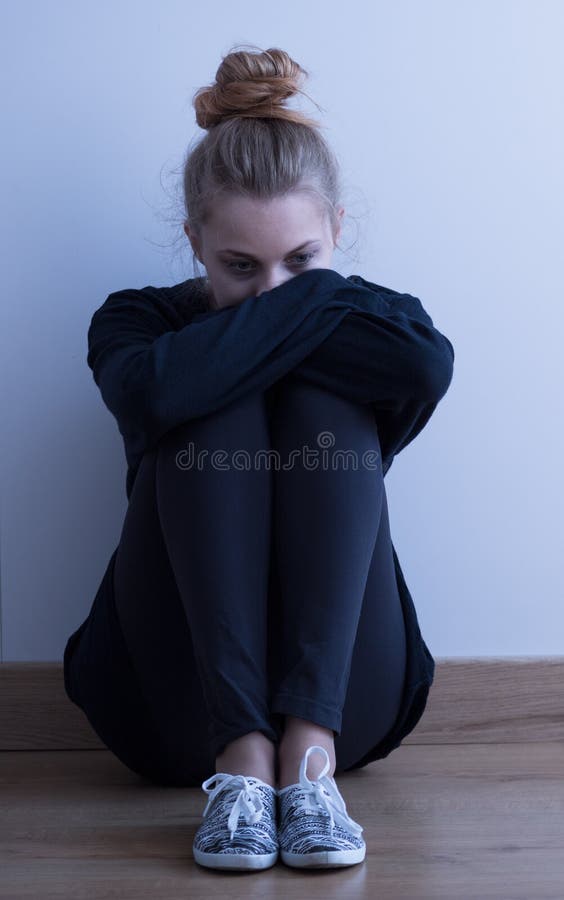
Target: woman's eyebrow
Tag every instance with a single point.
(295, 250)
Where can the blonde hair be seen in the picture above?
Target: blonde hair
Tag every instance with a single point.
(255, 146)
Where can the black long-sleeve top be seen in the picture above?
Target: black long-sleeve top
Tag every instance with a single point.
(160, 358)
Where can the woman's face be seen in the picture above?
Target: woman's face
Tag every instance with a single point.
(250, 246)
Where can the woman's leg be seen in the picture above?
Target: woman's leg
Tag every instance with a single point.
(339, 620)
(191, 585)
(157, 642)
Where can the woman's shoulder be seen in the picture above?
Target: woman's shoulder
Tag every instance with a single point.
(185, 298)
(378, 288)
(193, 293)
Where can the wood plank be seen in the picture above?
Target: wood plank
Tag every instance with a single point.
(480, 700)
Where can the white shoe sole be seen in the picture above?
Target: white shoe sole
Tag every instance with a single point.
(323, 858)
(235, 860)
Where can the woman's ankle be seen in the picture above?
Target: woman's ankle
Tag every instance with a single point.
(252, 754)
(298, 736)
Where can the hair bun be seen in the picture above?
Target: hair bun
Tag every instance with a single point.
(251, 85)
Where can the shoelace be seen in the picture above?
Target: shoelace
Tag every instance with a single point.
(323, 794)
(247, 803)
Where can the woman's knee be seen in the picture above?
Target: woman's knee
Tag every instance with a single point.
(307, 410)
(224, 428)
(306, 397)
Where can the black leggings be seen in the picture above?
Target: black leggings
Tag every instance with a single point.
(245, 592)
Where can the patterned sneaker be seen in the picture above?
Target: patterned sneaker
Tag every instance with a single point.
(315, 829)
(221, 842)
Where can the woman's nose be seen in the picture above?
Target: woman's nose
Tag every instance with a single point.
(269, 284)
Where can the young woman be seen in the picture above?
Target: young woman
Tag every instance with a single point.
(253, 627)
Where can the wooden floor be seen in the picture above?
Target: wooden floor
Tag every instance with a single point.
(460, 820)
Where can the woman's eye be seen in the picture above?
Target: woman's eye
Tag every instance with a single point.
(306, 257)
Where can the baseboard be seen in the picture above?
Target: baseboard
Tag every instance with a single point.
(472, 700)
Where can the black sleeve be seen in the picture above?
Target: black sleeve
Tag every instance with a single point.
(382, 359)
(388, 355)
(153, 377)
(372, 347)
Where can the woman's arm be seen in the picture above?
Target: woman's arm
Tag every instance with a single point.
(153, 377)
(389, 355)
(341, 335)
(382, 359)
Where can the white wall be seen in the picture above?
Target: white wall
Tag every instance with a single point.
(447, 117)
